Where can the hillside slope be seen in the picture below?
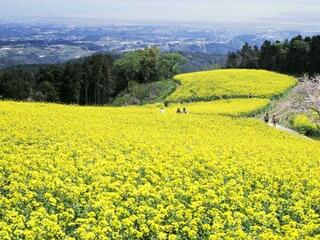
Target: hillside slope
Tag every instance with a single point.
(70, 172)
(139, 94)
(230, 83)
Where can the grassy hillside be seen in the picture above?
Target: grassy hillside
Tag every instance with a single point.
(234, 83)
(145, 93)
(70, 172)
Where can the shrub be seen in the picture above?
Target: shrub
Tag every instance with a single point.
(304, 125)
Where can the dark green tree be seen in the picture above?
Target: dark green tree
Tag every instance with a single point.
(15, 84)
(170, 64)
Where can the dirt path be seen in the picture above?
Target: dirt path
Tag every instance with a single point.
(282, 128)
(285, 129)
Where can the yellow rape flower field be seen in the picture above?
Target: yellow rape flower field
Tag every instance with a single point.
(230, 107)
(231, 83)
(69, 172)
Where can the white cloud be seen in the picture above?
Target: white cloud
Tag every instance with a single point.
(169, 10)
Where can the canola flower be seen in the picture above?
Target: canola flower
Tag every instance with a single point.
(97, 173)
(69, 172)
(231, 83)
(229, 107)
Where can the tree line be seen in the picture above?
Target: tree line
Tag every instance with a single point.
(94, 80)
(297, 56)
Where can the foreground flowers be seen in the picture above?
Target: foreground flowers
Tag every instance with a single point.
(97, 173)
(71, 172)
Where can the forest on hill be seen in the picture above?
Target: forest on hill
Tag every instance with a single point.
(94, 80)
(297, 56)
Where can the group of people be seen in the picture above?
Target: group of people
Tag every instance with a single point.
(179, 111)
(274, 120)
(183, 111)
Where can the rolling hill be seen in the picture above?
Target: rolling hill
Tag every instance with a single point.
(70, 172)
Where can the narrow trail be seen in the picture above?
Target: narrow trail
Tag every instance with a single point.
(285, 129)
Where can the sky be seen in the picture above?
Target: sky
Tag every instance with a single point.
(282, 11)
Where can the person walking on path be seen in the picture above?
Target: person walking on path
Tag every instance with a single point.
(162, 110)
(266, 118)
(274, 121)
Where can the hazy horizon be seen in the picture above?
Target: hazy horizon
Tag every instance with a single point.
(304, 12)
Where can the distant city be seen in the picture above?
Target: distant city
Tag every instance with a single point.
(45, 43)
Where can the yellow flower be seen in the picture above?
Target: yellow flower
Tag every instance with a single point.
(69, 172)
